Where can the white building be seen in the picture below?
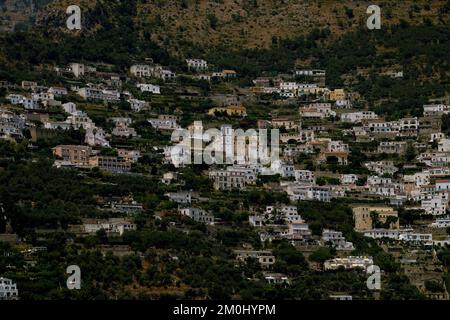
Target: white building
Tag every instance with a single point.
(304, 192)
(141, 70)
(277, 278)
(384, 233)
(180, 197)
(337, 240)
(441, 223)
(343, 103)
(69, 107)
(442, 185)
(349, 178)
(317, 110)
(149, 88)
(351, 262)
(282, 168)
(163, 123)
(78, 69)
(112, 225)
(15, 98)
(311, 73)
(42, 96)
(129, 154)
(406, 235)
(11, 125)
(290, 214)
(381, 167)
(197, 64)
(256, 221)
(436, 136)
(27, 103)
(138, 105)
(165, 75)
(435, 203)
(425, 238)
(264, 257)
(298, 230)
(409, 126)
(228, 179)
(392, 147)
(418, 179)
(306, 176)
(444, 145)
(123, 130)
(435, 109)
(289, 86)
(357, 117)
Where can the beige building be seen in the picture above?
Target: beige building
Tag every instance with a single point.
(112, 164)
(363, 218)
(78, 155)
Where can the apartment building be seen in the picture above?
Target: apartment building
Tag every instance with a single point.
(228, 179)
(197, 64)
(351, 262)
(138, 105)
(444, 145)
(337, 239)
(151, 88)
(435, 203)
(304, 176)
(348, 179)
(123, 130)
(435, 110)
(8, 289)
(163, 123)
(284, 122)
(180, 197)
(198, 215)
(11, 125)
(358, 117)
(317, 110)
(110, 163)
(337, 94)
(141, 70)
(129, 154)
(90, 93)
(264, 257)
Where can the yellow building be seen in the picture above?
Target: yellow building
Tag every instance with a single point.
(337, 94)
(363, 217)
(230, 111)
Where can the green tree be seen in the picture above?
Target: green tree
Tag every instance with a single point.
(321, 255)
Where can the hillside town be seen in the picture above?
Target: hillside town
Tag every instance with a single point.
(258, 154)
(394, 175)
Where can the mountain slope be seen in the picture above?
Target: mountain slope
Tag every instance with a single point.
(179, 25)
